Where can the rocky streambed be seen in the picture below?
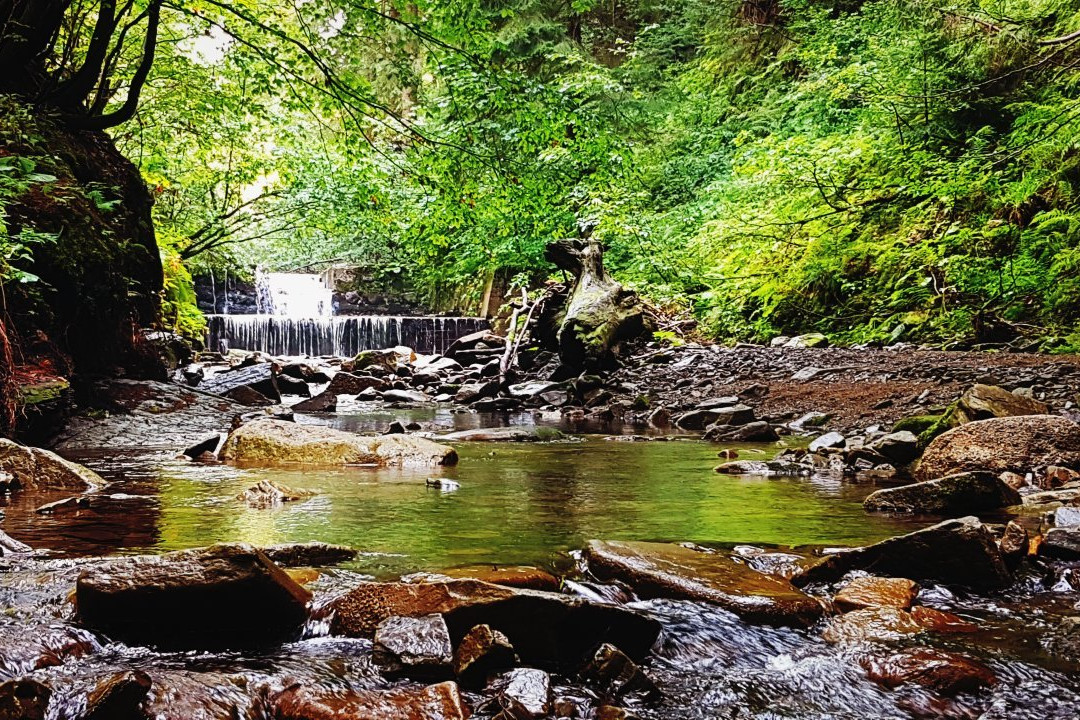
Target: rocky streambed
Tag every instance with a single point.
(600, 546)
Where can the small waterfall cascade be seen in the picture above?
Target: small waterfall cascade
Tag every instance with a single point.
(296, 317)
(341, 335)
(293, 295)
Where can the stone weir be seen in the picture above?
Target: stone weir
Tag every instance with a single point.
(341, 335)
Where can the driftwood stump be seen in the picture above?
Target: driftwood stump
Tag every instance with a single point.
(599, 312)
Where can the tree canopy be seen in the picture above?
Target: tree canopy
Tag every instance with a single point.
(878, 170)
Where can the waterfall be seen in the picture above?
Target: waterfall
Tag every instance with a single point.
(340, 335)
(299, 295)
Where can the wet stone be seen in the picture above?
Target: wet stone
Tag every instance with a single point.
(943, 672)
(524, 694)
(121, 697)
(480, 653)
(308, 554)
(435, 702)
(614, 675)
(866, 592)
(1061, 543)
(1013, 543)
(959, 494)
(267, 494)
(414, 646)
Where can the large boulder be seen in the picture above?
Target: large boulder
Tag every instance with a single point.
(435, 702)
(546, 629)
(982, 402)
(959, 494)
(954, 552)
(1018, 444)
(673, 571)
(37, 469)
(270, 442)
(225, 596)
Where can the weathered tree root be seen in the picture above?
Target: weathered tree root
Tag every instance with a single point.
(600, 312)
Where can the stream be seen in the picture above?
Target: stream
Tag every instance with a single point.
(518, 504)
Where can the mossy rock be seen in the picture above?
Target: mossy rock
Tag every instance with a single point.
(916, 424)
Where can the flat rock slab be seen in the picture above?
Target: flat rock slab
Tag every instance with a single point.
(37, 469)
(955, 552)
(943, 672)
(435, 702)
(673, 571)
(267, 442)
(222, 597)
(959, 494)
(149, 415)
(504, 434)
(547, 629)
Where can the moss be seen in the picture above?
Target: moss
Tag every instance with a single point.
(916, 424)
(42, 392)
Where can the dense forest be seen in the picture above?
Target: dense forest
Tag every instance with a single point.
(879, 171)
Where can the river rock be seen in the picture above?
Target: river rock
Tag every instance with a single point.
(291, 386)
(890, 624)
(982, 402)
(954, 552)
(615, 675)
(943, 672)
(1061, 543)
(524, 694)
(673, 571)
(515, 576)
(435, 702)
(531, 389)
(867, 592)
(809, 340)
(547, 629)
(259, 378)
(325, 401)
(382, 361)
(120, 697)
(269, 442)
(407, 397)
(827, 441)
(700, 419)
(1066, 516)
(771, 468)
(308, 554)
(249, 396)
(27, 646)
(1010, 444)
(483, 651)
(959, 494)
(37, 469)
(899, 448)
(414, 646)
(225, 596)
(513, 433)
(267, 494)
(24, 700)
(1013, 544)
(758, 431)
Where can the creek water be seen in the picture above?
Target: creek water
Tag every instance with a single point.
(519, 504)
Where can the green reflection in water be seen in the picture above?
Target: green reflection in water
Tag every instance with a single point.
(518, 503)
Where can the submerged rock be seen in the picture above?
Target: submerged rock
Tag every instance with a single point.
(547, 629)
(483, 651)
(37, 469)
(959, 494)
(308, 554)
(673, 571)
(943, 672)
(516, 433)
(269, 442)
(225, 596)
(954, 552)
(435, 702)
(267, 493)
(515, 576)
(1009, 444)
(890, 624)
(413, 646)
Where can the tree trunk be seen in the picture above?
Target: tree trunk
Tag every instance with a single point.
(599, 311)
